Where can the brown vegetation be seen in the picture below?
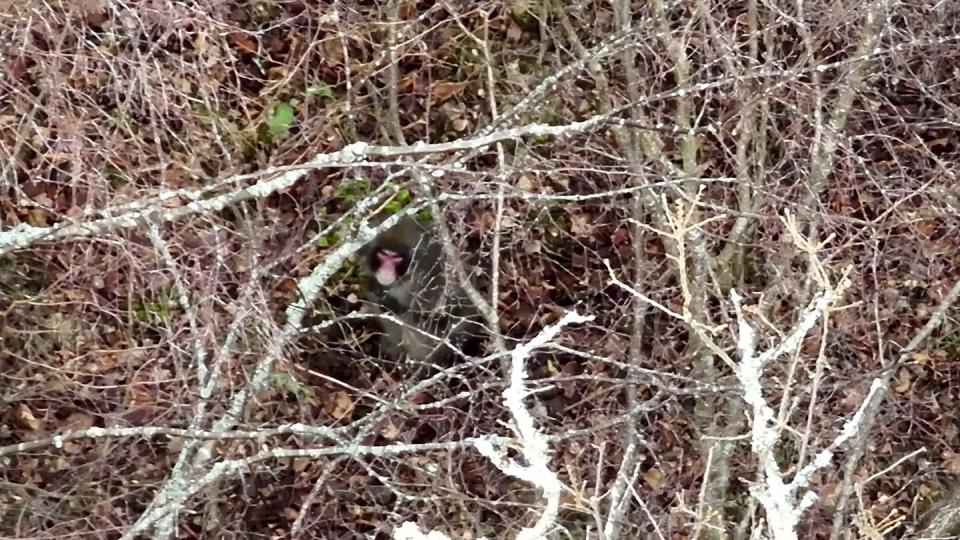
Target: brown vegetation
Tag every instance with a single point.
(155, 262)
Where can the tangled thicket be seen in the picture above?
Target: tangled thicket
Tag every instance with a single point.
(164, 213)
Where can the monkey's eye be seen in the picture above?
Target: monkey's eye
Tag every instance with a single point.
(389, 266)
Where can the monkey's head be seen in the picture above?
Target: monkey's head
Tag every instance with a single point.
(388, 265)
(406, 248)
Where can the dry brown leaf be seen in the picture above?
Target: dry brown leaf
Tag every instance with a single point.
(276, 73)
(410, 83)
(514, 33)
(175, 444)
(484, 221)
(952, 463)
(77, 422)
(460, 124)
(927, 227)
(579, 224)
(23, 417)
(573, 470)
(71, 448)
(443, 91)
(390, 431)
(619, 237)
(177, 178)
(614, 345)
(407, 10)
(904, 382)
(653, 478)
(244, 42)
(339, 405)
(37, 217)
(526, 183)
(92, 7)
(287, 285)
(332, 51)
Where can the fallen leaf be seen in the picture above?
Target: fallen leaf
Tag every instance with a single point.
(514, 33)
(77, 422)
(927, 227)
(443, 91)
(579, 224)
(92, 7)
(653, 477)
(244, 42)
(952, 463)
(525, 182)
(411, 83)
(24, 418)
(619, 237)
(904, 382)
(390, 431)
(37, 217)
(339, 405)
(407, 10)
(460, 124)
(71, 448)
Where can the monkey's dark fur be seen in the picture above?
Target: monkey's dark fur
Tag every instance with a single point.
(404, 276)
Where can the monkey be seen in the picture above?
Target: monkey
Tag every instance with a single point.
(404, 276)
(400, 262)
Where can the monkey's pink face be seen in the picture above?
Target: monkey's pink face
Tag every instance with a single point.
(388, 266)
